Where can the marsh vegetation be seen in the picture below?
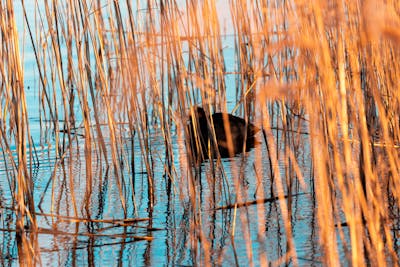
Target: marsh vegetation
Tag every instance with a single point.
(97, 167)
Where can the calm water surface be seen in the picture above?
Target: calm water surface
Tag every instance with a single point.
(61, 183)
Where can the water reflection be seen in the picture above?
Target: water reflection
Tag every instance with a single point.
(177, 229)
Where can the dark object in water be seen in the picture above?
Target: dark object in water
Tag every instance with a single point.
(242, 133)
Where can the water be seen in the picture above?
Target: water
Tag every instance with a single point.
(67, 242)
(172, 224)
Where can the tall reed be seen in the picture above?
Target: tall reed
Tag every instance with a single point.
(15, 137)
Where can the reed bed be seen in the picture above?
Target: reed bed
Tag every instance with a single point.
(116, 82)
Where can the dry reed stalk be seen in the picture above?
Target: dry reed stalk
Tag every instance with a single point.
(15, 112)
(345, 101)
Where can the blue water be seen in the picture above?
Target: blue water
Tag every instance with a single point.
(226, 237)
